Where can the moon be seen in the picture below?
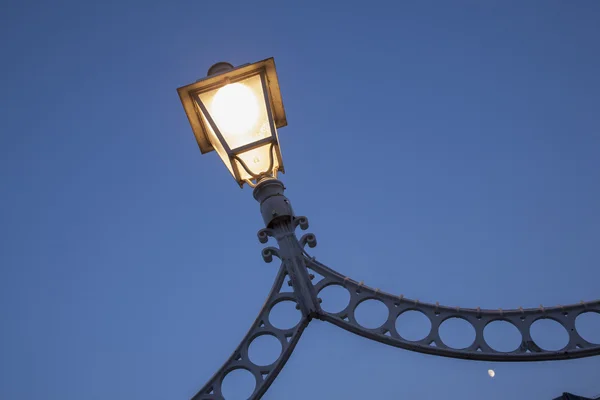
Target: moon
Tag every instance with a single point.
(491, 373)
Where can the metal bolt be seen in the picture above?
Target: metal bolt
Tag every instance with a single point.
(311, 276)
(290, 283)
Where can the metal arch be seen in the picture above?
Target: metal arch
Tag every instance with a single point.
(387, 333)
(264, 375)
(281, 223)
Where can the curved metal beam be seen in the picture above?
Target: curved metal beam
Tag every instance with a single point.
(264, 375)
(387, 333)
(281, 223)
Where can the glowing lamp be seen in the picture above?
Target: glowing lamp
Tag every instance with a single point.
(236, 112)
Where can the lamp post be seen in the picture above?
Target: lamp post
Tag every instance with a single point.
(236, 112)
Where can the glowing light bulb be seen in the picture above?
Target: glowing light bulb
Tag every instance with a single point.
(491, 373)
(235, 110)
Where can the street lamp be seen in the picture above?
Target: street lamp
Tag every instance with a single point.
(236, 111)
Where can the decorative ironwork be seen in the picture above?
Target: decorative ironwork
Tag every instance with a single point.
(520, 318)
(297, 264)
(270, 170)
(264, 375)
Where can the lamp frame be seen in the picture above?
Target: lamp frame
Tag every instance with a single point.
(194, 108)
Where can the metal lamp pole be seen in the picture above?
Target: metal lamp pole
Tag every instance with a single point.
(251, 153)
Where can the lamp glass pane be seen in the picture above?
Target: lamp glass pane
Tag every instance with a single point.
(257, 160)
(214, 140)
(239, 111)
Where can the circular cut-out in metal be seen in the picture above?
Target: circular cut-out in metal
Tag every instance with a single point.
(284, 315)
(588, 326)
(413, 325)
(457, 333)
(502, 336)
(371, 313)
(549, 334)
(335, 298)
(238, 384)
(264, 350)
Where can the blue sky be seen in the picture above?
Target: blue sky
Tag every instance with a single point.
(446, 150)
